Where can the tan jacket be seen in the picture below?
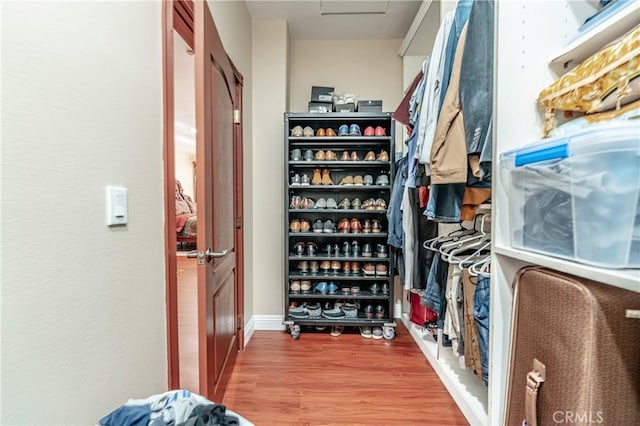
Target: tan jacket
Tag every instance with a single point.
(449, 150)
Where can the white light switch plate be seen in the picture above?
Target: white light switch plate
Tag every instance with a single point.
(117, 210)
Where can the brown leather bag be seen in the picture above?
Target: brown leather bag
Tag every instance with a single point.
(575, 352)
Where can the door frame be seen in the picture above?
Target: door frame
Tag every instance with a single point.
(178, 15)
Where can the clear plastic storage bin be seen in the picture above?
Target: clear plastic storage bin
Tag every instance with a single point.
(578, 196)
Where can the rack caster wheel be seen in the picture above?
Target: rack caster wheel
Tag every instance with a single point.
(389, 333)
(295, 331)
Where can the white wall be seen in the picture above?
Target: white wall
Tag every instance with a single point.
(83, 305)
(371, 69)
(270, 52)
(184, 170)
(233, 22)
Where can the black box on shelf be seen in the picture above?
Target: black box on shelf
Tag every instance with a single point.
(320, 106)
(370, 106)
(349, 107)
(321, 94)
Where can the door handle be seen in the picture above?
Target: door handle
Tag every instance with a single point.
(209, 254)
(216, 254)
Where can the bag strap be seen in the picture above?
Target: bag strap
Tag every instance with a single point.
(535, 378)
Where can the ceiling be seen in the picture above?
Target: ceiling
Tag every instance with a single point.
(343, 19)
(184, 95)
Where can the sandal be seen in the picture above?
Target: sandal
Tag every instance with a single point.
(365, 332)
(337, 330)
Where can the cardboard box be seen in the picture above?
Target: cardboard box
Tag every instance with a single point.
(320, 106)
(321, 94)
(370, 106)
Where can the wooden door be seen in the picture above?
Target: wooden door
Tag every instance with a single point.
(216, 100)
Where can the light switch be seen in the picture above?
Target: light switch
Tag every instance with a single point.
(116, 206)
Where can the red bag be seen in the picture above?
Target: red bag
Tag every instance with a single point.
(419, 314)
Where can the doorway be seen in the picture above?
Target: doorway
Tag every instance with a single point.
(203, 170)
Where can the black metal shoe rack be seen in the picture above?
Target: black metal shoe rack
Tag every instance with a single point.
(370, 286)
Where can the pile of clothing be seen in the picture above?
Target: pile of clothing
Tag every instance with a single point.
(174, 408)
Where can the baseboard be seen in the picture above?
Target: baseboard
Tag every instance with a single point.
(260, 323)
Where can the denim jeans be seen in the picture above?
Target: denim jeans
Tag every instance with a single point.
(481, 314)
(445, 202)
(395, 236)
(476, 76)
(463, 9)
(431, 294)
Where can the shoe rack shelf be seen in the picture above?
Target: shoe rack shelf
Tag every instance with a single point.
(381, 304)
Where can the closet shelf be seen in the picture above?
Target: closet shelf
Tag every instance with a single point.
(624, 278)
(599, 36)
(466, 389)
(313, 141)
(343, 211)
(329, 163)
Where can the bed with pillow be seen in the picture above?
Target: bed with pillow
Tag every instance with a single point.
(186, 221)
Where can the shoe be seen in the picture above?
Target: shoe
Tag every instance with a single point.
(295, 180)
(368, 180)
(355, 268)
(326, 177)
(332, 288)
(333, 313)
(297, 131)
(330, 132)
(379, 311)
(345, 289)
(317, 178)
(321, 203)
(365, 332)
(294, 226)
(305, 286)
(346, 248)
(346, 268)
(317, 226)
(343, 130)
(382, 180)
(381, 270)
(355, 289)
(303, 266)
(385, 289)
(298, 249)
(376, 226)
(368, 312)
(371, 156)
(325, 265)
(296, 155)
(320, 156)
(369, 131)
(308, 155)
(347, 181)
(335, 267)
(343, 226)
(329, 227)
(376, 333)
(366, 227)
(356, 204)
(312, 249)
(369, 268)
(305, 180)
(350, 310)
(307, 131)
(331, 156)
(356, 226)
(336, 330)
(355, 249)
(366, 250)
(331, 203)
(345, 204)
(358, 181)
(354, 130)
(314, 310)
(296, 202)
(320, 133)
(313, 267)
(299, 312)
(355, 156)
(345, 156)
(380, 131)
(321, 287)
(307, 203)
(305, 226)
(294, 286)
(383, 156)
(381, 250)
(374, 289)
(369, 204)
(380, 204)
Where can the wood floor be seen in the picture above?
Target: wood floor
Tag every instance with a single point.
(345, 380)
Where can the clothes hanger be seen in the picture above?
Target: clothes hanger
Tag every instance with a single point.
(473, 257)
(480, 267)
(453, 235)
(449, 249)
